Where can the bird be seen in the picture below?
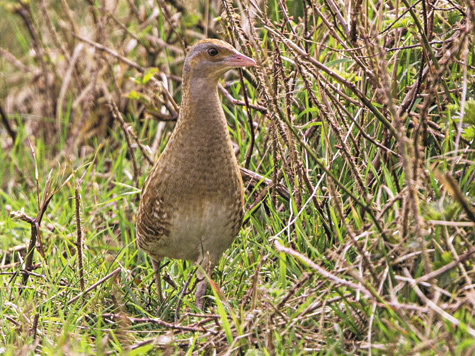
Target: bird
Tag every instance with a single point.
(192, 202)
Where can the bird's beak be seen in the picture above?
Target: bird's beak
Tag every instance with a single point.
(239, 60)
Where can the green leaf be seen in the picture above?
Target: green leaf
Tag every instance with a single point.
(338, 61)
(149, 73)
(469, 117)
(469, 133)
(133, 95)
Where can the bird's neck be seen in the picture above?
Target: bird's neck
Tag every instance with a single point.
(200, 100)
(201, 136)
(201, 125)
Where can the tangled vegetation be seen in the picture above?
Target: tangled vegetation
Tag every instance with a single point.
(355, 132)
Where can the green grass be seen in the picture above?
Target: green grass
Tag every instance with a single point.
(370, 252)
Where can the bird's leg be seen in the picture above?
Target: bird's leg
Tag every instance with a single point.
(207, 267)
(200, 293)
(158, 280)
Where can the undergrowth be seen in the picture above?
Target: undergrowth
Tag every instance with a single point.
(358, 163)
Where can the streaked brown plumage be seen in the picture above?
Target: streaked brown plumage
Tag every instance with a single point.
(192, 201)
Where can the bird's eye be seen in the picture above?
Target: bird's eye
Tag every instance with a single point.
(212, 52)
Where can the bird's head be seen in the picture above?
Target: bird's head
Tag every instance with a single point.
(212, 58)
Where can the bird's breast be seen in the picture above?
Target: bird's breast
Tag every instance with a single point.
(198, 187)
